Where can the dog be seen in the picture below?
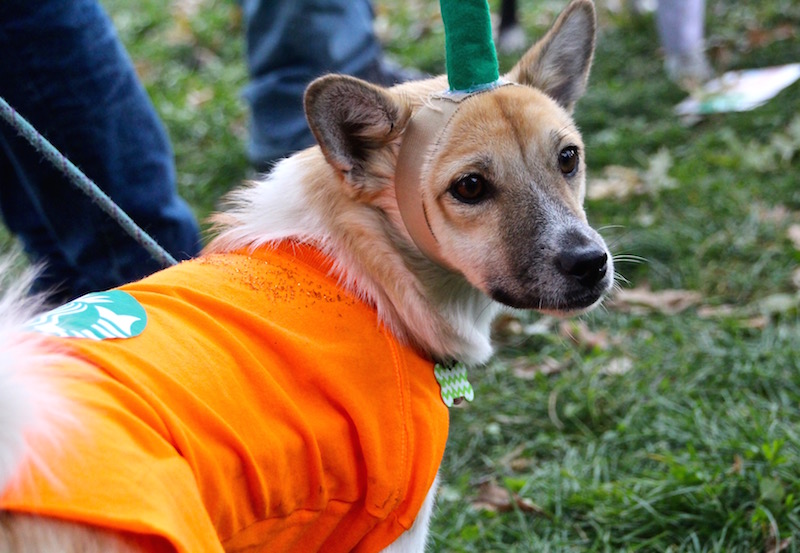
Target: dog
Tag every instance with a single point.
(277, 393)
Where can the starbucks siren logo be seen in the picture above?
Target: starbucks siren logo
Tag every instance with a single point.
(97, 316)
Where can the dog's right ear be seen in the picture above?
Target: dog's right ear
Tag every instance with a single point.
(559, 63)
(355, 124)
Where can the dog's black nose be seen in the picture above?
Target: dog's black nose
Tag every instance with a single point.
(588, 265)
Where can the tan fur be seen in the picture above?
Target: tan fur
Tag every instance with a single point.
(523, 245)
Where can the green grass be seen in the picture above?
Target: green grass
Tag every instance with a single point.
(696, 447)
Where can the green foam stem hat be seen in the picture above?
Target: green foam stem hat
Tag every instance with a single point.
(471, 56)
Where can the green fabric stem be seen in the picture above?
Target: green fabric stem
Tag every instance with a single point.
(471, 56)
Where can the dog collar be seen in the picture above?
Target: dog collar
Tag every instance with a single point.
(420, 143)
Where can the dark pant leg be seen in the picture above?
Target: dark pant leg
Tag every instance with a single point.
(63, 68)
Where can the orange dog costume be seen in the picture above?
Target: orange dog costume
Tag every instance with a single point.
(262, 408)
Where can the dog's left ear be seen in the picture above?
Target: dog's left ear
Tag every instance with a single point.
(559, 63)
(354, 123)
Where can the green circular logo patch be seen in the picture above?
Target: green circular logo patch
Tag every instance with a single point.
(97, 316)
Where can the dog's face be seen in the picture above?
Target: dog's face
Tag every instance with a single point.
(502, 191)
(503, 197)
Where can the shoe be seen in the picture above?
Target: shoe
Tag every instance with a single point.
(689, 71)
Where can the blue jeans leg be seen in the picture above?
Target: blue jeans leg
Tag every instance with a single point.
(290, 43)
(680, 25)
(64, 69)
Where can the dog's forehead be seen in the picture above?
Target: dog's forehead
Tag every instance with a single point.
(516, 124)
(522, 114)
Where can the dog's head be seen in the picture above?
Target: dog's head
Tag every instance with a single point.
(502, 185)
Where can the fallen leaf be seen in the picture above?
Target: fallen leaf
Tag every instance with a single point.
(738, 464)
(180, 33)
(448, 494)
(778, 304)
(520, 464)
(580, 333)
(541, 327)
(783, 545)
(188, 8)
(617, 182)
(507, 325)
(494, 498)
(514, 458)
(617, 366)
(793, 232)
(756, 322)
(775, 214)
(527, 506)
(657, 177)
(524, 369)
(716, 311)
(643, 300)
(199, 97)
(796, 278)
(760, 37)
(774, 546)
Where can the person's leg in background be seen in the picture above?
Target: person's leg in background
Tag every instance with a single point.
(681, 29)
(64, 69)
(291, 42)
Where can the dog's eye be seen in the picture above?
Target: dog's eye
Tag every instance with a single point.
(470, 189)
(568, 160)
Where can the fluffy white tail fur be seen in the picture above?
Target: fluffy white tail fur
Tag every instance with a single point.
(27, 406)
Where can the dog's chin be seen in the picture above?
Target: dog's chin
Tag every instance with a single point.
(566, 306)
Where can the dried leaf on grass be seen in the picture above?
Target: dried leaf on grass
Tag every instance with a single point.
(507, 325)
(756, 322)
(200, 97)
(580, 333)
(757, 315)
(180, 32)
(738, 464)
(761, 37)
(494, 498)
(514, 459)
(524, 369)
(793, 232)
(617, 366)
(796, 278)
(778, 304)
(656, 176)
(644, 300)
(774, 544)
(773, 214)
(717, 311)
(617, 182)
(188, 8)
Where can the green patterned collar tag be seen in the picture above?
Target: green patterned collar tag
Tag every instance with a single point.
(453, 383)
(97, 316)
